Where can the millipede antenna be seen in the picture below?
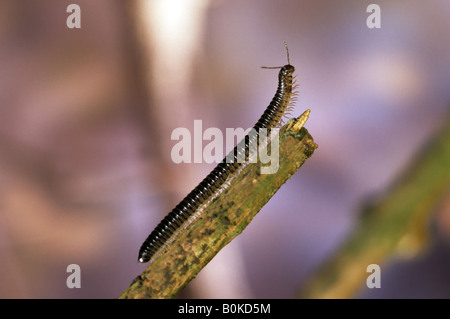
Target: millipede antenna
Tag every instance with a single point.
(279, 67)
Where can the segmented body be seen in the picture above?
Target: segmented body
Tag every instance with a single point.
(187, 210)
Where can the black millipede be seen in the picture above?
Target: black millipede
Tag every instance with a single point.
(190, 207)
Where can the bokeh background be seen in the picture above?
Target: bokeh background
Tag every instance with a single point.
(86, 117)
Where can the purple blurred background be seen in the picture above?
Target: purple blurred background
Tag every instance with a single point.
(86, 117)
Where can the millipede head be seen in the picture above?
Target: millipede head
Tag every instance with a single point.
(287, 70)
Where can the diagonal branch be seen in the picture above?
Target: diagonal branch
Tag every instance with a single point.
(222, 220)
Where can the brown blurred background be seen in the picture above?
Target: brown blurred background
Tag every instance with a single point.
(86, 117)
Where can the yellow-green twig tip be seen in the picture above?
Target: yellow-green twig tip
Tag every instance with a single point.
(301, 121)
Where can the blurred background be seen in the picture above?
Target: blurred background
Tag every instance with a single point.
(86, 117)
